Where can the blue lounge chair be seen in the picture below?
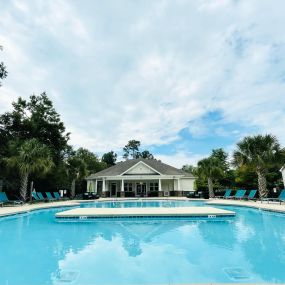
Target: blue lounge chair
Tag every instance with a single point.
(50, 197)
(251, 195)
(36, 197)
(4, 200)
(226, 195)
(280, 199)
(239, 194)
(57, 196)
(41, 196)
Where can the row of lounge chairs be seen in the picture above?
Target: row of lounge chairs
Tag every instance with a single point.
(241, 195)
(37, 197)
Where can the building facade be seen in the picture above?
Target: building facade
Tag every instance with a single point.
(141, 178)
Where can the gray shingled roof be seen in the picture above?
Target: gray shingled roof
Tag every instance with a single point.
(157, 165)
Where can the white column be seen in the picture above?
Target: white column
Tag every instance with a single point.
(95, 188)
(160, 193)
(122, 186)
(178, 184)
(103, 185)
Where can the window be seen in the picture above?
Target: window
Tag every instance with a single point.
(153, 186)
(128, 187)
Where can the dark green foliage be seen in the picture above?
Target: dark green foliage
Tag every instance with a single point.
(30, 157)
(109, 158)
(222, 158)
(92, 162)
(210, 169)
(3, 70)
(145, 154)
(131, 149)
(79, 165)
(35, 118)
(259, 153)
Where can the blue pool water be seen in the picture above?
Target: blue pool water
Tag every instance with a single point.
(37, 249)
(143, 203)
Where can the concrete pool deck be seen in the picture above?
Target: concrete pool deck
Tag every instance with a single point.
(12, 210)
(272, 206)
(80, 213)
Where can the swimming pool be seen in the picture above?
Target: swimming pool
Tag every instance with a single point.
(36, 249)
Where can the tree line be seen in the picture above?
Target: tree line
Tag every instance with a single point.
(34, 146)
(255, 163)
(34, 141)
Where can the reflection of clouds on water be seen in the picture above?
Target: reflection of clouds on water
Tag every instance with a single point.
(244, 231)
(107, 262)
(157, 252)
(144, 251)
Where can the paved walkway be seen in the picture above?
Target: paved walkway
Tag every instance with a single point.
(12, 210)
(271, 206)
(6, 211)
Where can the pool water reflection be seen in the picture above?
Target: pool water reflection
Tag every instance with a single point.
(36, 249)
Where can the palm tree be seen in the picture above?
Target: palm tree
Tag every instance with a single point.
(76, 168)
(259, 153)
(210, 168)
(31, 157)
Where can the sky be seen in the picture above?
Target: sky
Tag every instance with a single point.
(182, 76)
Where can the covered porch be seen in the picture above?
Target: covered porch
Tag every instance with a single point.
(134, 187)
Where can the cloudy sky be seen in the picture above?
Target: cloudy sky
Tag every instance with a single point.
(183, 76)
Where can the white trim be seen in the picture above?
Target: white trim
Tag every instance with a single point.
(139, 163)
(135, 177)
(142, 176)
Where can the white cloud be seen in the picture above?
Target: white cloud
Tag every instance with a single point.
(181, 158)
(148, 71)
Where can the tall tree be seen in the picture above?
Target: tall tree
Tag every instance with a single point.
(210, 169)
(3, 70)
(259, 153)
(131, 149)
(32, 156)
(222, 158)
(145, 154)
(76, 169)
(109, 158)
(36, 118)
(91, 160)
(189, 168)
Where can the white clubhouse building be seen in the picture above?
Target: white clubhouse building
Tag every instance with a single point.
(141, 178)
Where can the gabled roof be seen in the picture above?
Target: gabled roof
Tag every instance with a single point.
(122, 167)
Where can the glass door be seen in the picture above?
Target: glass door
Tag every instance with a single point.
(113, 189)
(141, 189)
